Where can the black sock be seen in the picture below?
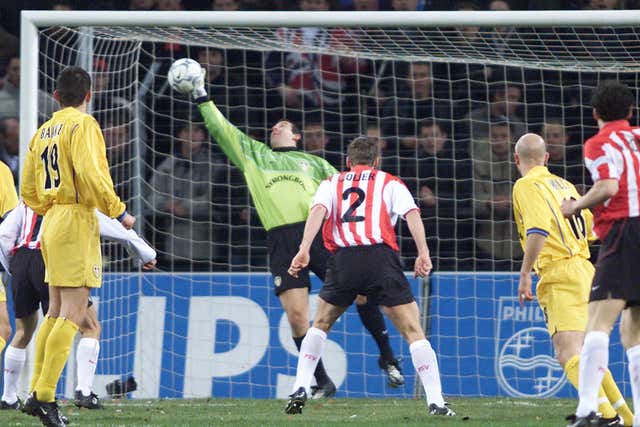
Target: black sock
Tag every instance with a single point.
(372, 319)
(320, 373)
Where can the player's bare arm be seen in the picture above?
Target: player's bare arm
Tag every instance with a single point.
(311, 228)
(423, 265)
(535, 243)
(601, 191)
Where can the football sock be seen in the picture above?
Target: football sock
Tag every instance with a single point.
(320, 374)
(87, 358)
(310, 353)
(55, 357)
(615, 397)
(633, 354)
(594, 359)
(372, 319)
(3, 343)
(13, 363)
(41, 342)
(426, 365)
(572, 369)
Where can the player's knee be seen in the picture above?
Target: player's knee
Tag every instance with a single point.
(412, 332)
(299, 320)
(75, 313)
(630, 327)
(322, 323)
(92, 329)
(563, 356)
(629, 335)
(5, 331)
(20, 338)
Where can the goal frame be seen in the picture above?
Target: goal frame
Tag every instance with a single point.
(31, 21)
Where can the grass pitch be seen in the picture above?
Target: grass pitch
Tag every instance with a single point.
(485, 412)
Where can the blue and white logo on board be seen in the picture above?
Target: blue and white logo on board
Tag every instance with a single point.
(525, 365)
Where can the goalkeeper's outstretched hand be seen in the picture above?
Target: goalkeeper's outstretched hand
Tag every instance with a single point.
(186, 76)
(198, 86)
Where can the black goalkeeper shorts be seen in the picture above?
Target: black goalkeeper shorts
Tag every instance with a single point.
(283, 243)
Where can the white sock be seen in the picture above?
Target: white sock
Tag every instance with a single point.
(13, 363)
(426, 365)
(594, 360)
(87, 359)
(310, 353)
(633, 354)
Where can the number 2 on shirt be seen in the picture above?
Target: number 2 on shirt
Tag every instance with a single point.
(348, 214)
(50, 159)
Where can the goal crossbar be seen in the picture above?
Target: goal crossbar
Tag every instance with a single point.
(548, 18)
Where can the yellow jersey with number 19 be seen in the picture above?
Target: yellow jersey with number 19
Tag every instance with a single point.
(67, 164)
(537, 197)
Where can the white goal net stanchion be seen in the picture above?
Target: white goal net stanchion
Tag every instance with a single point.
(445, 92)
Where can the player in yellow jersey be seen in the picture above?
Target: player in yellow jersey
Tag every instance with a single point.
(8, 201)
(558, 250)
(65, 178)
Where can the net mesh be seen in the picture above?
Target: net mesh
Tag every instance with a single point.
(445, 104)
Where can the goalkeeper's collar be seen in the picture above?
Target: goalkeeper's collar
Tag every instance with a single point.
(285, 149)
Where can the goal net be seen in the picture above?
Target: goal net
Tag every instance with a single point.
(446, 104)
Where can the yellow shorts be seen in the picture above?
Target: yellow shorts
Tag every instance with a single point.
(71, 247)
(563, 294)
(3, 292)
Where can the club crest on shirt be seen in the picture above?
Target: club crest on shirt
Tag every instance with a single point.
(96, 271)
(304, 165)
(277, 281)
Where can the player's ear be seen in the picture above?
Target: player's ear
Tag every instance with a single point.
(87, 97)
(56, 96)
(376, 162)
(596, 116)
(630, 112)
(348, 163)
(546, 158)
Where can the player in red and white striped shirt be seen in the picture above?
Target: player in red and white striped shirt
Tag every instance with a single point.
(613, 159)
(360, 208)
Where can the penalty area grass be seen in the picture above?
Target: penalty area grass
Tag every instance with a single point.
(485, 412)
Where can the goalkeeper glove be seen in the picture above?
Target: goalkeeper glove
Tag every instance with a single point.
(199, 92)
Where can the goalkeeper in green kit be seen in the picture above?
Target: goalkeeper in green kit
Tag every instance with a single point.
(282, 181)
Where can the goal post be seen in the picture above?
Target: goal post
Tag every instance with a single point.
(211, 325)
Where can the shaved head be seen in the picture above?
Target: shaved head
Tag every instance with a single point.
(531, 149)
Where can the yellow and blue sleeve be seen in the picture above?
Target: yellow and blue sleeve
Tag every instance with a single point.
(533, 209)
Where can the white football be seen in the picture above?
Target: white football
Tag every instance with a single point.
(184, 74)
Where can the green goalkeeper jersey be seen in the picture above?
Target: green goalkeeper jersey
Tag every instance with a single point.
(282, 183)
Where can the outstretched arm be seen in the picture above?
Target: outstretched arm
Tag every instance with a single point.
(113, 230)
(238, 146)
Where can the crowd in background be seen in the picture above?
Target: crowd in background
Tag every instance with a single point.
(446, 129)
